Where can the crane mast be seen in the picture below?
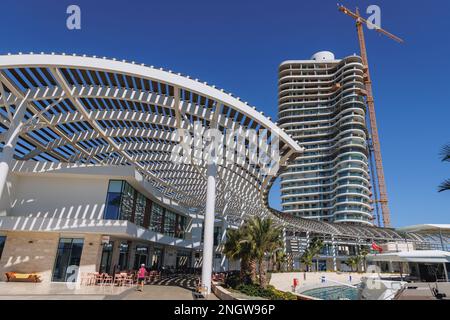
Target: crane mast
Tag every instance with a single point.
(374, 139)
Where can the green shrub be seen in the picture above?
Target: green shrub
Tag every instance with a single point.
(270, 292)
(233, 281)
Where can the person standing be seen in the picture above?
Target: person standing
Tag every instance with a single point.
(141, 277)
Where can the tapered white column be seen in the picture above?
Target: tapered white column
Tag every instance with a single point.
(11, 136)
(334, 253)
(208, 233)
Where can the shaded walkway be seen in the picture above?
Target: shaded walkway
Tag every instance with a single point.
(172, 287)
(156, 292)
(188, 282)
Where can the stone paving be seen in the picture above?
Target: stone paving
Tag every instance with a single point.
(167, 288)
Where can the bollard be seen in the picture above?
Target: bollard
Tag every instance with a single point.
(295, 284)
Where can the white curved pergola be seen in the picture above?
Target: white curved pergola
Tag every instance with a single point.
(73, 109)
(102, 111)
(93, 111)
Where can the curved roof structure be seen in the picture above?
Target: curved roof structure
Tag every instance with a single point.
(98, 111)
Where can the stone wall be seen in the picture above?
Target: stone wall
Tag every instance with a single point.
(29, 252)
(91, 254)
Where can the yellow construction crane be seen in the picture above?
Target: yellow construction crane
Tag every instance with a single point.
(374, 142)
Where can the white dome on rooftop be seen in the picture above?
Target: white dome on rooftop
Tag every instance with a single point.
(323, 56)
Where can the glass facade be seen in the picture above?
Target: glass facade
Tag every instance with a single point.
(105, 262)
(321, 106)
(123, 202)
(170, 223)
(2, 244)
(123, 255)
(127, 203)
(183, 259)
(217, 235)
(157, 258)
(157, 218)
(67, 260)
(140, 256)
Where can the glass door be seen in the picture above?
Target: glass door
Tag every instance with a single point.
(67, 260)
(105, 263)
(123, 256)
(140, 257)
(157, 258)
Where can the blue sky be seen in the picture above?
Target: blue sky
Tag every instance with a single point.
(238, 45)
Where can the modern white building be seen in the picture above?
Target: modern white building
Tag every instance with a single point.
(88, 176)
(88, 181)
(321, 106)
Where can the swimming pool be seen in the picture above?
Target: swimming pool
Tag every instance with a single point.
(333, 293)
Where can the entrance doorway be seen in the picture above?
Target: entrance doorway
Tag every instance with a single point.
(107, 252)
(140, 256)
(157, 258)
(67, 260)
(183, 259)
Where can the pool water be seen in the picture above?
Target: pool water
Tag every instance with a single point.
(333, 293)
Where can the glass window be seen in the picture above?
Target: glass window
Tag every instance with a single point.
(115, 186)
(67, 260)
(217, 235)
(169, 223)
(156, 220)
(181, 226)
(140, 256)
(126, 208)
(139, 214)
(105, 262)
(2, 244)
(123, 255)
(157, 258)
(112, 210)
(183, 259)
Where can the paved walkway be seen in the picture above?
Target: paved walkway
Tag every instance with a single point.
(422, 291)
(168, 288)
(155, 292)
(56, 291)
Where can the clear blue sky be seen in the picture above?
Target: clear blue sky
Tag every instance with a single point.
(238, 45)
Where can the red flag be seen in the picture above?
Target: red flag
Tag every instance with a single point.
(377, 247)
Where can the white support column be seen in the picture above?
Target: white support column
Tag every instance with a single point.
(306, 247)
(208, 233)
(224, 264)
(445, 272)
(6, 156)
(333, 251)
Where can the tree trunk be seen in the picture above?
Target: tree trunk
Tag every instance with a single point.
(252, 268)
(244, 269)
(262, 274)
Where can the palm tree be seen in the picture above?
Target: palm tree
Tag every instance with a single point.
(364, 252)
(313, 249)
(353, 262)
(445, 157)
(236, 247)
(307, 258)
(279, 257)
(265, 239)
